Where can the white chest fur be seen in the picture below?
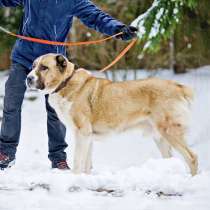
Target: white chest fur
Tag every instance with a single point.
(62, 108)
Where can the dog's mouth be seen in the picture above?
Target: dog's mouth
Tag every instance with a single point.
(40, 85)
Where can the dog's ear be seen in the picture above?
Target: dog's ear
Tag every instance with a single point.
(61, 62)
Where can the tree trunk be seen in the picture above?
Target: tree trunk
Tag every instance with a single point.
(172, 53)
(176, 67)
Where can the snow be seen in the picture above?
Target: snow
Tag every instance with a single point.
(139, 23)
(140, 20)
(128, 170)
(156, 25)
(158, 14)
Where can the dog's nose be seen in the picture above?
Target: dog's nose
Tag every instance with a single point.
(29, 81)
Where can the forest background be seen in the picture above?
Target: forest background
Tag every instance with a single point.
(186, 48)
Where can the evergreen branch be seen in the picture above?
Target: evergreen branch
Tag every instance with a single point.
(159, 22)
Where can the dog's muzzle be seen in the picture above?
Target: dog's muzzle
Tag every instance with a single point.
(30, 81)
(33, 82)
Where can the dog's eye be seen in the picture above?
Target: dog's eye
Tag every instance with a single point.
(43, 68)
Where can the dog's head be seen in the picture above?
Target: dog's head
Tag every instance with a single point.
(48, 72)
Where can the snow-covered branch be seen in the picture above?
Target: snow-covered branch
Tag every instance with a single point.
(160, 21)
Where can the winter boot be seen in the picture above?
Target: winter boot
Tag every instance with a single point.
(62, 165)
(6, 161)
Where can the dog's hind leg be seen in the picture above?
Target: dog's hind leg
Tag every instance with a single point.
(164, 147)
(174, 134)
(188, 155)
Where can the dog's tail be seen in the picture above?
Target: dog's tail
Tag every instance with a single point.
(182, 106)
(186, 92)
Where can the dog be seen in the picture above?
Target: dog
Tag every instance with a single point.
(92, 106)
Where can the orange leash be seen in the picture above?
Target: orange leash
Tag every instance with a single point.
(43, 41)
(131, 44)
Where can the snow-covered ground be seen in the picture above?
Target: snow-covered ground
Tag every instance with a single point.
(128, 170)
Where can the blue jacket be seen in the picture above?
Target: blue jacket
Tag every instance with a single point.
(52, 20)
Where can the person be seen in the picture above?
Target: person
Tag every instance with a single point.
(51, 20)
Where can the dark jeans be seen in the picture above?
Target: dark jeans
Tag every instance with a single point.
(11, 124)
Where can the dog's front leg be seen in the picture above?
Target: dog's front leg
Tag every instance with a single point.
(83, 149)
(88, 164)
(82, 155)
(77, 167)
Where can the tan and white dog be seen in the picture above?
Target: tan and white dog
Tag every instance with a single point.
(94, 106)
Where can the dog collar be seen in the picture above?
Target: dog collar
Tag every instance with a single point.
(64, 83)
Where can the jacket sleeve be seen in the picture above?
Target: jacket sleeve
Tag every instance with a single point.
(11, 3)
(95, 18)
